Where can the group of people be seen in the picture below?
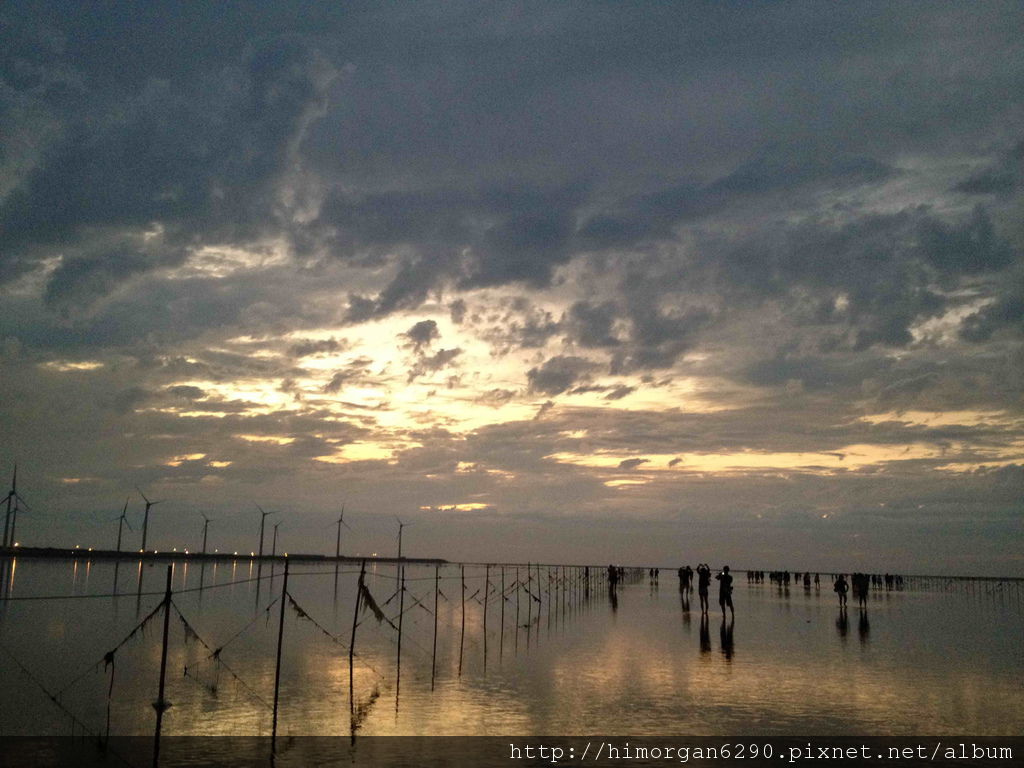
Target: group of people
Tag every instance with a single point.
(861, 583)
(703, 574)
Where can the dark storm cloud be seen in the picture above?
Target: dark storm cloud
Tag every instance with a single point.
(201, 158)
(186, 391)
(1006, 312)
(213, 145)
(558, 374)
(317, 346)
(431, 363)
(422, 334)
(591, 324)
(632, 463)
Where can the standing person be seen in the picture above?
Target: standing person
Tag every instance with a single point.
(841, 588)
(861, 586)
(703, 582)
(725, 590)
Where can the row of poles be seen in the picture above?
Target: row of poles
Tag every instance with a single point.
(554, 587)
(522, 589)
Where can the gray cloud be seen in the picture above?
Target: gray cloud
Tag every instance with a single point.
(558, 374)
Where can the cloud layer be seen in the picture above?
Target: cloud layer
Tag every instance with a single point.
(698, 281)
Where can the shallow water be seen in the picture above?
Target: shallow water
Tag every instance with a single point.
(936, 658)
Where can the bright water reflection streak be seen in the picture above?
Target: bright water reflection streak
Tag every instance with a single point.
(920, 660)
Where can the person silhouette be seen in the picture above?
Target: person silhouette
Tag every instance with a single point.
(725, 590)
(841, 588)
(703, 582)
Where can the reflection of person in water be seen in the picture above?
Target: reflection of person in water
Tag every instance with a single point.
(725, 590)
(705, 631)
(725, 635)
(863, 627)
(842, 625)
(703, 582)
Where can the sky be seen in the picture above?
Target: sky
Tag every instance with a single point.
(645, 283)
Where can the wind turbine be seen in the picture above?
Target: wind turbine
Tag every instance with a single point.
(262, 520)
(11, 518)
(341, 522)
(205, 526)
(401, 525)
(145, 519)
(123, 521)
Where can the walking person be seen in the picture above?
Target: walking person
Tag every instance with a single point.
(725, 590)
(841, 588)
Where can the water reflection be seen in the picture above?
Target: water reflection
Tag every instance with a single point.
(842, 624)
(725, 635)
(622, 665)
(863, 626)
(705, 634)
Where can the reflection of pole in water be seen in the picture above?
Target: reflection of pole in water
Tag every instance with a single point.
(202, 578)
(138, 590)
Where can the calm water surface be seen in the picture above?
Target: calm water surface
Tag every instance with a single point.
(936, 659)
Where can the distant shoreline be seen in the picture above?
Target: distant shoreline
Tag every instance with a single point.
(59, 553)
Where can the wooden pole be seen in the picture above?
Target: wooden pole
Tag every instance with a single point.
(433, 653)
(529, 601)
(462, 636)
(277, 669)
(160, 705)
(401, 613)
(487, 589)
(519, 589)
(352, 639)
(501, 641)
